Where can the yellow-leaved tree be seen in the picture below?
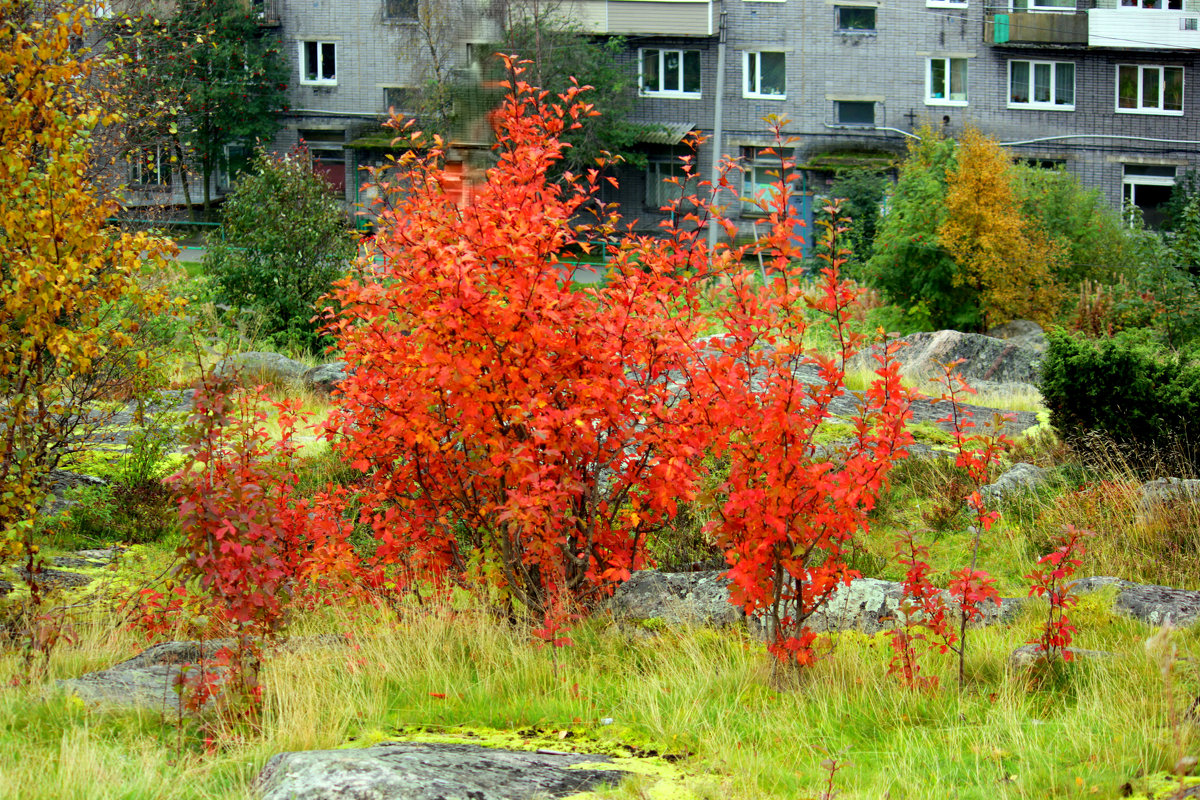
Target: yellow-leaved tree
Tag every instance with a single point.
(69, 290)
(1001, 254)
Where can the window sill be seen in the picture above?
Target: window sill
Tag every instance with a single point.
(749, 96)
(1039, 107)
(940, 102)
(671, 95)
(872, 34)
(318, 83)
(943, 4)
(1149, 112)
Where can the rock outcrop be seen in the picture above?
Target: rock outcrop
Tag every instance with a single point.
(258, 367)
(325, 378)
(1021, 477)
(428, 771)
(1154, 605)
(988, 363)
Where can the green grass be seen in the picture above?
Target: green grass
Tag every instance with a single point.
(709, 697)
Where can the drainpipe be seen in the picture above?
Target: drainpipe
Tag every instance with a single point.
(718, 123)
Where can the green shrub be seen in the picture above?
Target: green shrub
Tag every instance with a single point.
(286, 241)
(1138, 395)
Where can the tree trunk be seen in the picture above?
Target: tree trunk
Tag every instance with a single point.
(183, 180)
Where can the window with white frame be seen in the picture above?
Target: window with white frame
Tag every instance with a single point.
(665, 180)
(1041, 84)
(1149, 187)
(318, 63)
(150, 167)
(946, 82)
(765, 74)
(1149, 89)
(945, 3)
(670, 73)
(762, 171)
(1154, 5)
(855, 19)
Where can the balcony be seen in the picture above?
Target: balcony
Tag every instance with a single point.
(266, 12)
(644, 17)
(1133, 28)
(1036, 28)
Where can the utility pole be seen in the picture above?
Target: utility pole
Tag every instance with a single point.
(718, 125)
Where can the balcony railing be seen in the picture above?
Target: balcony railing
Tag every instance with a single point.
(1036, 28)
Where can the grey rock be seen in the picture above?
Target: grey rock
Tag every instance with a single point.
(1021, 477)
(675, 598)
(1154, 605)
(325, 378)
(1169, 494)
(257, 367)
(702, 598)
(871, 605)
(1023, 332)
(149, 679)
(61, 484)
(5, 588)
(1029, 655)
(984, 358)
(427, 771)
(48, 578)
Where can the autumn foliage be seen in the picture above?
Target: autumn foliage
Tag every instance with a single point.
(519, 436)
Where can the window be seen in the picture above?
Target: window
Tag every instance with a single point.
(761, 178)
(670, 73)
(765, 75)
(855, 19)
(854, 112)
(1155, 5)
(1041, 84)
(946, 82)
(1148, 186)
(946, 3)
(318, 63)
(1189, 24)
(400, 9)
(665, 180)
(401, 99)
(150, 167)
(1149, 90)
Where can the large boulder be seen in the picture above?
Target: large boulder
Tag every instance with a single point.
(428, 771)
(1154, 605)
(257, 367)
(325, 378)
(1174, 496)
(988, 363)
(1020, 478)
(702, 598)
(1023, 332)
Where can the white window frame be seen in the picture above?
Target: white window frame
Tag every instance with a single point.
(1052, 105)
(145, 173)
(757, 182)
(1158, 110)
(659, 193)
(945, 3)
(318, 81)
(1129, 183)
(930, 100)
(677, 92)
(752, 75)
(1150, 5)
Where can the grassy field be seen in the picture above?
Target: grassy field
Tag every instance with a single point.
(690, 713)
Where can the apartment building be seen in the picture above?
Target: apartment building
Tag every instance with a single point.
(1107, 88)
